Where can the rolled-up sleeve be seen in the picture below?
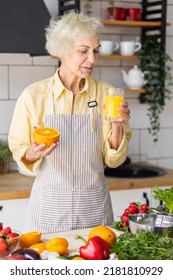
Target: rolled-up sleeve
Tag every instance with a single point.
(114, 158)
(21, 129)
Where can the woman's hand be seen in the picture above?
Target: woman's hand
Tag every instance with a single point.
(36, 152)
(124, 113)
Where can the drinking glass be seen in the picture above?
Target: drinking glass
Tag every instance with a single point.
(113, 98)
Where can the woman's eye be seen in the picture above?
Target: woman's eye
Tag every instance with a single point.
(96, 51)
(83, 51)
(86, 52)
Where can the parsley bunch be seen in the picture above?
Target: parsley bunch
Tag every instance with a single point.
(144, 245)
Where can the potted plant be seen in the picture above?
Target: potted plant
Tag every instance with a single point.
(110, 9)
(88, 8)
(158, 79)
(5, 156)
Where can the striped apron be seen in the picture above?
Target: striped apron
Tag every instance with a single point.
(70, 190)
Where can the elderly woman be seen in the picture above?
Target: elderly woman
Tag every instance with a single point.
(70, 190)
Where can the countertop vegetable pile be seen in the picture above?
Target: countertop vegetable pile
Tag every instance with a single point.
(102, 242)
(96, 246)
(104, 246)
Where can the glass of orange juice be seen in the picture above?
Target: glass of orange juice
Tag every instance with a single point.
(113, 98)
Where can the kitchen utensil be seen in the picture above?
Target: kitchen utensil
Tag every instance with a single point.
(157, 223)
(161, 209)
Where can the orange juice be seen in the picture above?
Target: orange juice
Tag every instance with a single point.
(112, 103)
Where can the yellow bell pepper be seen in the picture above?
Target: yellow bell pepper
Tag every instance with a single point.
(58, 245)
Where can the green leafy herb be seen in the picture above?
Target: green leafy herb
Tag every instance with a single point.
(88, 8)
(118, 225)
(144, 245)
(5, 153)
(166, 195)
(158, 81)
(111, 2)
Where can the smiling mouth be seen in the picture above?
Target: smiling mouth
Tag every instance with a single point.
(87, 68)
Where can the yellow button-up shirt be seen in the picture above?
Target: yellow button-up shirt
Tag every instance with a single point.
(34, 103)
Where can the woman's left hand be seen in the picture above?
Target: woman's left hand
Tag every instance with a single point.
(124, 113)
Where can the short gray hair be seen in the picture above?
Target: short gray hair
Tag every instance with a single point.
(62, 31)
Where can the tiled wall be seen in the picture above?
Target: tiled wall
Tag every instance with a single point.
(19, 70)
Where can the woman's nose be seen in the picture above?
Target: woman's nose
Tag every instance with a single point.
(92, 57)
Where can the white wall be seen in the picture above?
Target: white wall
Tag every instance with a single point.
(19, 70)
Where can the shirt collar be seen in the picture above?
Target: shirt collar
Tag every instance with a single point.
(58, 87)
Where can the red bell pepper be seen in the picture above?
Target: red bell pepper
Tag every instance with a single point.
(95, 249)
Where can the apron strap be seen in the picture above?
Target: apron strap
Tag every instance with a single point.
(92, 105)
(50, 97)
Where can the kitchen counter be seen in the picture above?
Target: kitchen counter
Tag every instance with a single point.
(14, 185)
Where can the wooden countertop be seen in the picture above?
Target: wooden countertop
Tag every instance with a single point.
(14, 185)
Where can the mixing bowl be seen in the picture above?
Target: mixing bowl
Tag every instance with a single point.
(157, 223)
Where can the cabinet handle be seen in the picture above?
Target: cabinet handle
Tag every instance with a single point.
(147, 199)
(1, 208)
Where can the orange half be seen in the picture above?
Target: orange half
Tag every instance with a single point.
(29, 238)
(46, 135)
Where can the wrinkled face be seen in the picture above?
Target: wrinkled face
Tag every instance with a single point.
(82, 56)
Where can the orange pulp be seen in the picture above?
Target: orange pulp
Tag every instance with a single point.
(112, 103)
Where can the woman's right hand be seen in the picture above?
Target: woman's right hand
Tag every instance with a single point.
(36, 151)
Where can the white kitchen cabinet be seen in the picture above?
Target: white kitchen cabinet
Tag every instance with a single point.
(13, 213)
(121, 199)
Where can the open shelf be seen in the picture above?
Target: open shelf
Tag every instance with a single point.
(133, 23)
(128, 91)
(118, 56)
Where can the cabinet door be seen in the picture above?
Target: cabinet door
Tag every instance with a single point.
(121, 199)
(13, 213)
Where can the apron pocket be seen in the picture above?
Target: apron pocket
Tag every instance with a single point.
(75, 209)
(89, 207)
(56, 208)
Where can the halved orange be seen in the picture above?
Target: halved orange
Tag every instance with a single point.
(29, 238)
(46, 135)
(104, 232)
